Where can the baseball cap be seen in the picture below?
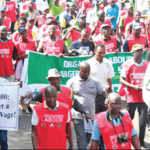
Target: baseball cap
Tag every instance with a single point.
(21, 29)
(136, 47)
(49, 20)
(2, 8)
(105, 25)
(53, 73)
(136, 26)
(82, 15)
(30, 18)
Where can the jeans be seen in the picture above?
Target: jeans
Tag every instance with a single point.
(142, 110)
(99, 104)
(3, 139)
(83, 138)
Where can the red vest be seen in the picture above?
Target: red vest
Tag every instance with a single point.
(7, 23)
(41, 20)
(6, 54)
(22, 47)
(65, 96)
(108, 133)
(16, 37)
(54, 48)
(127, 20)
(51, 128)
(132, 40)
(10, 10)
(110, 45)
(135, 75)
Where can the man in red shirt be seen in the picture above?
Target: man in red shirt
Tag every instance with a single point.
(11, 12)
(21, 23)
(6, 21)
(135, 38)
(127, 18)
(7, 53)
(50, 123)
(101, 20)
(110, 42)
(42, 18)
(132, 75)
(52, 44)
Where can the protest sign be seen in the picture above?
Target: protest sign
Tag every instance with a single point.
(9, 106)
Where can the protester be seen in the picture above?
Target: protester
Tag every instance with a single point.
(7, 53)
(125, 20)
(42, 18)
(110, 42)
(31, 12)
(135, 38)
(83, 46)
(114, 127)
(137, 19)
(69, 16)
(85, 90)
(6, 21)
(21, 23)
(96, 27)
(52, 44)
(52, 134)
(112, 11)
(103, 71)
(132, 75)
(11, 12)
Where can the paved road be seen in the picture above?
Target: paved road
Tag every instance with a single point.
(22, 139)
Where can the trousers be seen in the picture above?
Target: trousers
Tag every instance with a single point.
(83, 138)
(3, 139)
(142, 110)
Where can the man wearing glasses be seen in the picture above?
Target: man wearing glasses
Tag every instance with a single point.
(132, 76)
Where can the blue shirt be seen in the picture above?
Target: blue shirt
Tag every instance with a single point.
(112, 11)
(96, 134)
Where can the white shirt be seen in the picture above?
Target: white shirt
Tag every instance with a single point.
(85, 92)
(101, 71)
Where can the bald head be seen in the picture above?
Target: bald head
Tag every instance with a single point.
(113, 97)
(84, 32)
(50, 90)
(84, 65)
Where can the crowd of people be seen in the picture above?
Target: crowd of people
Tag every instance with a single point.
(78, 28)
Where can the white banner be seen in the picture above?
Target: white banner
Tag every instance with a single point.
(9, 106)
(146, 87)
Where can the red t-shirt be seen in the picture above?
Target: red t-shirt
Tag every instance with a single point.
(11, 10)
(7, 23)
(135, 75)
(6, 55)
(98, 31)
(22, 46)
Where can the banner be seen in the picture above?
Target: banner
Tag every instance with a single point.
(9, 106)
(39, 65)
(34, 75)
(146, 87)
